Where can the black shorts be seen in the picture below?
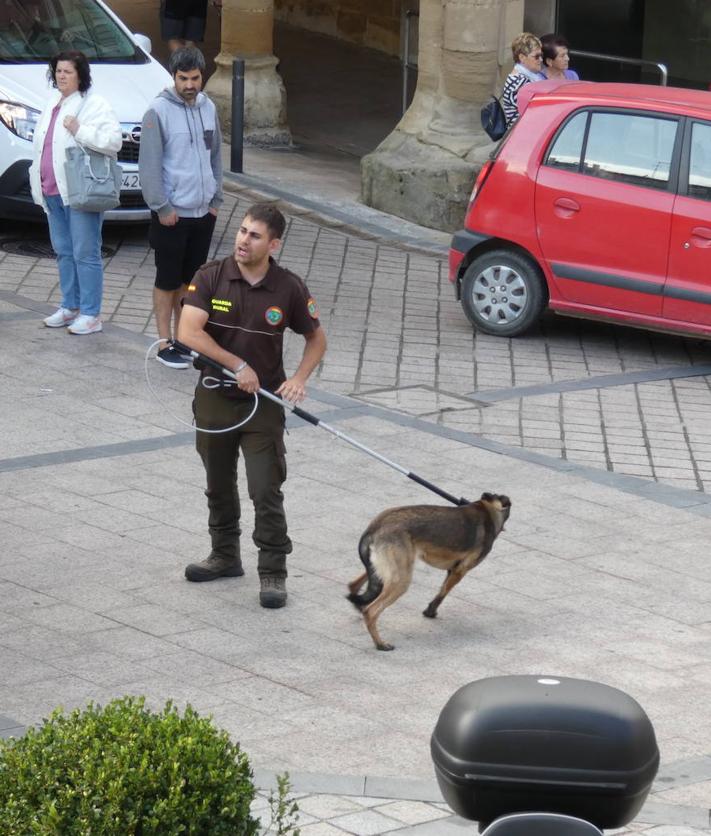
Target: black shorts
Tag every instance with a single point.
(183, 19)
(180, 249)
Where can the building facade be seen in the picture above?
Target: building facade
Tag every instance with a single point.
(423, 170)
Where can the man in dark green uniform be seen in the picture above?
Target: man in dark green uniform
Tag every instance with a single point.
(236, 311)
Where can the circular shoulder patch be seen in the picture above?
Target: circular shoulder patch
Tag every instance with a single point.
(312, 307)
(274, 315)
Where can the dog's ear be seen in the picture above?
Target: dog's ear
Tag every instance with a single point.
(487, 497)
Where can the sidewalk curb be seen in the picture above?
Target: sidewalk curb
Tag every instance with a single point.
(330, 215)
(422, 790)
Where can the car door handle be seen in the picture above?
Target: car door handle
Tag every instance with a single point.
(701, 236)
(565, 207)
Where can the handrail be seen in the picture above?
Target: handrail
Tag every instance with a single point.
(618, 59)
(406, 66)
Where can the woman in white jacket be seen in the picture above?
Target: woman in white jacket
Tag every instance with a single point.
(72, 116)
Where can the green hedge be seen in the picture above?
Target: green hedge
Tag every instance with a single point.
(122, 770)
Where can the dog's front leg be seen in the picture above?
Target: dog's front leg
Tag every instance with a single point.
(454, 575)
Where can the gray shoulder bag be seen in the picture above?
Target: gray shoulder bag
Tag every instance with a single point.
(93, 179)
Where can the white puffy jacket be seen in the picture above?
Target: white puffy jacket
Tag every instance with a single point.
(99, 129)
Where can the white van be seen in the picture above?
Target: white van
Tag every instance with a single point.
(122, 70)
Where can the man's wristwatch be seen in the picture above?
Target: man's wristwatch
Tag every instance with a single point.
(242, 365)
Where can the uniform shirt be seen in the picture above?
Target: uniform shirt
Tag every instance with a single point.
(250, 320)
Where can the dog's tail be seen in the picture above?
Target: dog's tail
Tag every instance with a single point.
(375, 585)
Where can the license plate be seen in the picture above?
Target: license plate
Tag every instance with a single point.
(130, 180)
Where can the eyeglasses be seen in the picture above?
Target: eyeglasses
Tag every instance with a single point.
(536, 55)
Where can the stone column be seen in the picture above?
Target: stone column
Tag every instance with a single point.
(424, 170)
(247, 32)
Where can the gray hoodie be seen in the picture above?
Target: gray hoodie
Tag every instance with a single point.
(179, 160)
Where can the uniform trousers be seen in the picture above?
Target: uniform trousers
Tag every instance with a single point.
(261, 442)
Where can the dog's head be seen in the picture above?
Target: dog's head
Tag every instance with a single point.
(499, 506)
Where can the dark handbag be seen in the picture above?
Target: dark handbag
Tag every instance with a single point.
(493, 119)
(93, 180)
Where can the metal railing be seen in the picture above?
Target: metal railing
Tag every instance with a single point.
(406, 65)
(618, 59)
(597, 56)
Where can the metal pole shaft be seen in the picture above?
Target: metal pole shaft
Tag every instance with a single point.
(317, 422)
(237, 136)
(406, 64)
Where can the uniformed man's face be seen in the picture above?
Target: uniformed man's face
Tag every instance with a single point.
(253, 245)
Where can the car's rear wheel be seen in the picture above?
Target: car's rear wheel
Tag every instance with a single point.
(503, 293)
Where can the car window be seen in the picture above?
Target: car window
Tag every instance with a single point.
(568, 145)
(700, 161)
(36, 30)
(630, 149)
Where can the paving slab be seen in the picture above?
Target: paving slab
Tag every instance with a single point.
(601, 573)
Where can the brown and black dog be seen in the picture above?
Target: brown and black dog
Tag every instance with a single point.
(454, 539)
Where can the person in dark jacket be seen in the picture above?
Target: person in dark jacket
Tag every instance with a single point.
(181, 178)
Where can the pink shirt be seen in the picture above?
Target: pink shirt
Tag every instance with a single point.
(47, 178)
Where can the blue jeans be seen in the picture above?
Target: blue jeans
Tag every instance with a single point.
(76, 239)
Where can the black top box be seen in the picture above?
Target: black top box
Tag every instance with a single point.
(551, 744)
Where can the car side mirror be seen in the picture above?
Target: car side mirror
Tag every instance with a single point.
(143, 41)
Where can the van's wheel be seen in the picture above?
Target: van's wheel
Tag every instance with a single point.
(503, 293)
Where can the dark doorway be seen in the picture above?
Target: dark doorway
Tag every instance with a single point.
(612, 27)
(677, 34)
(339, 95)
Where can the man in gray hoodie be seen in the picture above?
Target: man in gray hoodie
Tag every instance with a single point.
(181, 178)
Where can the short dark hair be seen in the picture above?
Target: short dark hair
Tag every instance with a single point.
(550, 44)
(184, 59)
(81, 65)
(268, 214)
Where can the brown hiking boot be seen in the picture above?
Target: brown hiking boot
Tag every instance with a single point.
(272, 591)
(213, 567)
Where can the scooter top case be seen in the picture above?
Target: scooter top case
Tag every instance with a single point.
(548, 744)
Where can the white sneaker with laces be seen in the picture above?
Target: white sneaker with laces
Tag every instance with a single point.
(85, 324)
(60, 318)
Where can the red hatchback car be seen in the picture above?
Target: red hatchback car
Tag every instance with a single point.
(596, 204)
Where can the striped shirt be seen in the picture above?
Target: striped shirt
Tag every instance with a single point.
(509, 98)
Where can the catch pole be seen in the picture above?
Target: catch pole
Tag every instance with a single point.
(317, 422)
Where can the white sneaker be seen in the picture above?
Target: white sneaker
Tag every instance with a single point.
(61, 317)
(84, 324)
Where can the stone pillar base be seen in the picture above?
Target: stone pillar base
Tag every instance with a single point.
(425, 184)
(264, 100)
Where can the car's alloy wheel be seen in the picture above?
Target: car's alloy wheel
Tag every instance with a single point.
(503, 293)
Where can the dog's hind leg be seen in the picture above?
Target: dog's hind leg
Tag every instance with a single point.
(394, 584)
(356, 584)
(454, 575)
(375, 586)
(371, 613)
(354, 588)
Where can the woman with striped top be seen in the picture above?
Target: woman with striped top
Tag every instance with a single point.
(527, 56)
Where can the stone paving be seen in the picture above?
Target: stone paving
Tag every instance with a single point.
(638, 406)
(597, 433)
